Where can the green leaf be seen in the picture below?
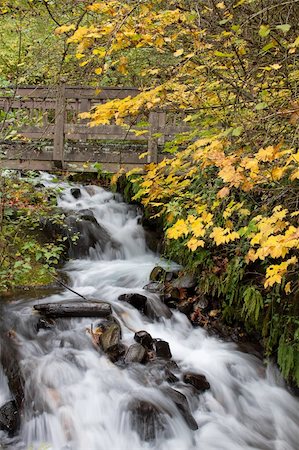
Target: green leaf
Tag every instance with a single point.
(284, 28)
(237, 131)
(223, 55)
(260, 106)
(264, 30)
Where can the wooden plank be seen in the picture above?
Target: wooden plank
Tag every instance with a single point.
(152, 141)
(59, 125)
(19, 164)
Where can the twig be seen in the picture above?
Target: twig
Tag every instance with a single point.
(67, 287)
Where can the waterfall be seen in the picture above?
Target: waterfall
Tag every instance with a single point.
(76, 398)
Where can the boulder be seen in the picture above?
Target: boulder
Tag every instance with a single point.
(76, 193)
(136, 353)
(45, 324)
(110, 341)
(184, 282)
(144, 338)
(10, 362)
(162, 349)
(81, 232)
(74, 309)
(10, 418)
(155, 287)
(155, 309)
(182, 405)
(146, 419)
(137, 300)
(161, 275)
(197, 380)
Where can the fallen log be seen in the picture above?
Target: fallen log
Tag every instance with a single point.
(74, 309)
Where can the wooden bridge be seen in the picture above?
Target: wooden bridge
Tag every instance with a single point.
(52, 136)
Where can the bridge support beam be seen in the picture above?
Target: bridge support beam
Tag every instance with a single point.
(60, 109)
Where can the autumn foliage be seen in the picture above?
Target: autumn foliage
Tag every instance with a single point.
(228, 195)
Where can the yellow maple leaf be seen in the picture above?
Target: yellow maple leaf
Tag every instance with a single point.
(179, 229)
(194, 243)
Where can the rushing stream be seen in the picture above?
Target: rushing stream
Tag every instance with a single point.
(76, 398)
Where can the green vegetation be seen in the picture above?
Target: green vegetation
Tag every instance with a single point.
(26, 258)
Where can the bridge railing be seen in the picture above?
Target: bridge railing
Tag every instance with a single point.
(54, 114)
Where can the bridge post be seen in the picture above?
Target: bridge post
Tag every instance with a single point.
(60, 109)
(157, 120)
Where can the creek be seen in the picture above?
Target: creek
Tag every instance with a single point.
(76, 398)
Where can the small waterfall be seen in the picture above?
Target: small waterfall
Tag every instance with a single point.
(77, 399)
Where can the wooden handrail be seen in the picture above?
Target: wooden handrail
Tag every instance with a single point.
(59, 108)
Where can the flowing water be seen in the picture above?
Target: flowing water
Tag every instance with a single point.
(77, 399)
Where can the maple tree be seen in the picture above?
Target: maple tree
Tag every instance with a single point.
(230, 190)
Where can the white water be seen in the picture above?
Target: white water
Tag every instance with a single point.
(77, 399)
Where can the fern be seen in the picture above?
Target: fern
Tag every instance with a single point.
(253, 303)
(286, 357)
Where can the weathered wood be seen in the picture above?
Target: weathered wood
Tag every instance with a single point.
(74, 309)
(58, 152)
(56, 111)
(152, 156)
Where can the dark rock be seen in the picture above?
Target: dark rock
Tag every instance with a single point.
(44, 324)
(161, 275)
(181, 403)
(158, 274)
(184, 282)
(81, 232)
(87, 214)
(10, 418)
(136, 300)
(10, 362)
(155, 309)
(198, 381)
(144, 338)
(76, 193)
(169, 376)
(74, 309)
(110, 342)
(136, 353)
(146, 419)
(162, 349)
(185, 306)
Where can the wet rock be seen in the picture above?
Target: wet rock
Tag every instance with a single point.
(81, 232)
(137, 300)
(170, 377)
(136, 353)
(146, 419)
(184, 282)
(182, 405)
(198, 381)
(90, 189)
(74, 309)
(10, 418)
(144, 338)
(155, 309)
(185, 306)
(110, 342)
(44, 324)
(87, 214)
(10, 362)
(76, 193)
(162, 349)
(154, 287)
